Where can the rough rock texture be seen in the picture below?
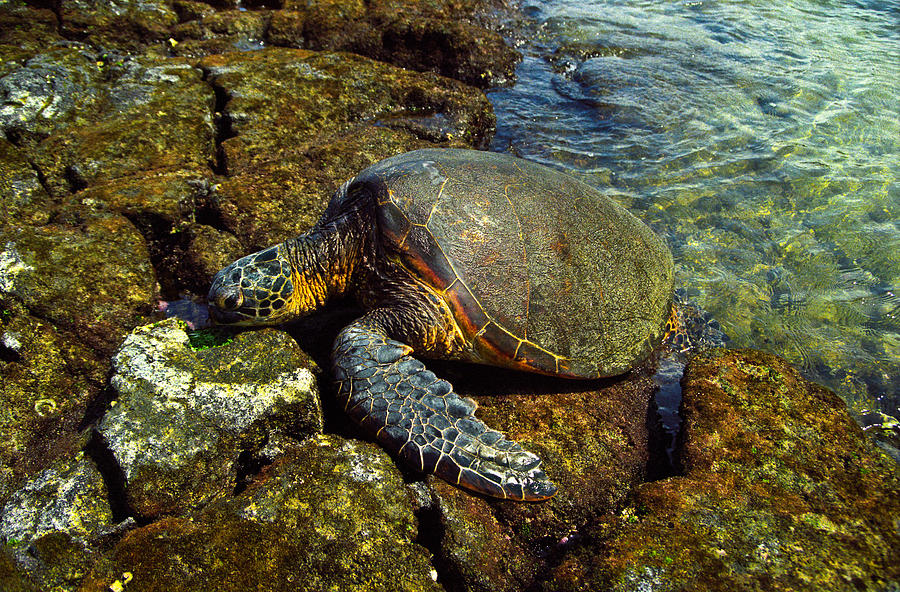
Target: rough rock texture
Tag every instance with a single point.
(329, 514)
(343, 113)
(165, 207)
(46, 526)
(593, 439)
(427, 36)
(477, 551)
(68, 498)
(47, 380)
(782, 491)
(448, 38)
(183, 417)
(112, 193)
(22, 197)
(116, 23)
(91, 276)
(25, 29)
(154, 114)
(141, 148)
(46, 92)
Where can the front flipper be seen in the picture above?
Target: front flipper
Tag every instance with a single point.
(418, 416)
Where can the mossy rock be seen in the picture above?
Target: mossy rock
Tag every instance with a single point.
(151, 114)
(782, 491)
(93, 279)
(286, 99)
(47, 381)
(185, 415)
(304, 122)
(329, 514)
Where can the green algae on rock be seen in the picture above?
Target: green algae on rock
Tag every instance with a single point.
(301, 123)
(441, 37)
(277, 93)
(183, 417)
(782, 491)
(47, 380)
(49, 91)
(22, 197)
(49, 525)
(123, 24)
(329, 514)
(593, 438)
(93, 279)
(151, 114)
(26, 28)
(478, 552)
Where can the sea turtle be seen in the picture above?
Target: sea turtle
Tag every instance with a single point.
(463, 255)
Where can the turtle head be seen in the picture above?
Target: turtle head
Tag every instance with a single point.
(255, 290)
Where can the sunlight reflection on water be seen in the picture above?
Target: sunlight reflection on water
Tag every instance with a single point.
(761, 139)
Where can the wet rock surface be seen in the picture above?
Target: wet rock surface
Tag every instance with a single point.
(144, 145)
(49, 379)
(183, 417)
(327, 514)
(782, 491)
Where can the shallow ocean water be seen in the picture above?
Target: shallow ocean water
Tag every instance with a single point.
(761, 139)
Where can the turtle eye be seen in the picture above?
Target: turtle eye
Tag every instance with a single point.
(231, 300)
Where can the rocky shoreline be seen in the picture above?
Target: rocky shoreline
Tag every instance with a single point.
(145, 145)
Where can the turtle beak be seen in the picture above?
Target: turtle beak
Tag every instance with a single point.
(224, 301)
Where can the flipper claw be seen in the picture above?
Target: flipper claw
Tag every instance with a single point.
(419, 416)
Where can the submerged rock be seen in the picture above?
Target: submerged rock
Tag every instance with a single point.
(183, 416)
(329, 514)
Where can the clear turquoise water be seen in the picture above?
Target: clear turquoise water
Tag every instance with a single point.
(762, 139)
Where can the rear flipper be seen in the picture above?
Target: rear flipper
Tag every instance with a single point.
(418, 416)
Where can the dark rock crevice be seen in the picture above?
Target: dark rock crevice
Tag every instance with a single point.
(74, 179)
(250, 463)
(7, 354)
(97, 405)
(167, 245)
(223, 124)
(41, 177)
(430, 534)
(113, 477)
(262, 4)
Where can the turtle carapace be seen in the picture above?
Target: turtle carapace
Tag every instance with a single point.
(463, 255)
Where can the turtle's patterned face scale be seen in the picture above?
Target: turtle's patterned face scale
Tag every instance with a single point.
(254, 290)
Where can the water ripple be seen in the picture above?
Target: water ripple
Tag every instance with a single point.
(761, 140)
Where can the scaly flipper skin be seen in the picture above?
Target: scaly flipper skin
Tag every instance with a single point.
(419, 417)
